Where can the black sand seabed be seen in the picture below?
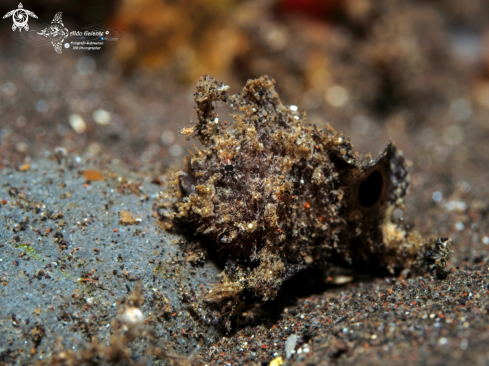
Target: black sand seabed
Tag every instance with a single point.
(65, 274)
(68, 265)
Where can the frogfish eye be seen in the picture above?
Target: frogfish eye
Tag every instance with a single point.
(370, 189)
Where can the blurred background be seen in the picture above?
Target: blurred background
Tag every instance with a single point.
(414, 71)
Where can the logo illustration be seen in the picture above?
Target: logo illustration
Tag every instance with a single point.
(56, 33)
(20, 17)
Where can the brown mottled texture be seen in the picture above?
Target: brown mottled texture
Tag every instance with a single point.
(276, 195)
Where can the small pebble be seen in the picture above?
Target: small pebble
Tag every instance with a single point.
(437, 196)
(465, 187)
(77, 123)
(132, 317)
(290, 344)
(102, 117)
(459, 226)
(458, 206)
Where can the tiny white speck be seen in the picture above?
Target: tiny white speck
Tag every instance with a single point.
(485, 240)
(167, 137)
(465, 187)
(77, 123)
(224, 87)
(290, 345)
(9, 88)
(175, 150)
(132, 316)
(459, 226)
(336, 96)
(437, 196)
(397, 213)
(102, 117)
(293, 108)
(443, 341)
(455, 206)
(464, 344)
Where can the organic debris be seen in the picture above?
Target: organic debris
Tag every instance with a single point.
(127, 218)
